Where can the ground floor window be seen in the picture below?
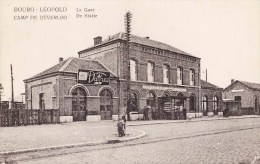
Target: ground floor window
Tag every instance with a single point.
(205, 105)
(133, 102)
(151, 99)
(215, 105)
(106, 104)
(179, 101)
(41, 101)
(192, 103)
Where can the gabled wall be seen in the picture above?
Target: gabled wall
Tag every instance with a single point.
(247, 95)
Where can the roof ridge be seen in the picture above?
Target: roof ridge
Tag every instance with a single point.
(209, 83)
(66, 64)
(250, 84)
(104, 67)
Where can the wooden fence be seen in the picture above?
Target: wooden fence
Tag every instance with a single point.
(22, 117)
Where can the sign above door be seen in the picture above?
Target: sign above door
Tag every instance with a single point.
(93, 77)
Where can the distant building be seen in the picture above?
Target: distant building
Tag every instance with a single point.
(246, 93)
(158, 72)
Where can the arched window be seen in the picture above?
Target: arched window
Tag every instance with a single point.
(133, 102)
(166, 74)
(215, 105)
(205, 105)
(133, 70)
(151, 99)
(179, 75)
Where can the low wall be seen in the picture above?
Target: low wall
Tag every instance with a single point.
(66, 119)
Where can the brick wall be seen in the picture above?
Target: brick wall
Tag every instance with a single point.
(247, 95)
(47, 86)
(107, 57)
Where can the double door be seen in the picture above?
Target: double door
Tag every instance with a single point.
(79, 103)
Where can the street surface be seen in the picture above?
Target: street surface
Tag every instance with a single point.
(218, 141)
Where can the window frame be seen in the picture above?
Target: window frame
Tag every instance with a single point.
(180, 75)
(135, 78)
(166, 80)
(192, 77)
(152, 69)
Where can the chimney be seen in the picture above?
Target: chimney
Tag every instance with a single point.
(97, 40)
(232, 81)
(147, 37)
(60, 59)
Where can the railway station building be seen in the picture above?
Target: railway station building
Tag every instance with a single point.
(93, 86)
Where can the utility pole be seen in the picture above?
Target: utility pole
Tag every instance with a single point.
(128, 18)
(206, 75)
(12, 80)
(1, 88)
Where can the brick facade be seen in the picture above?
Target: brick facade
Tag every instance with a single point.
(142, 54)
(61, 90)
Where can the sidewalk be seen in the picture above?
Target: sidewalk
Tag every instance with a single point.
(54, 136)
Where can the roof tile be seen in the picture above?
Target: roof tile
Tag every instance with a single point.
(251, 85)
(73, 65)
(144, 41)
(207, 84)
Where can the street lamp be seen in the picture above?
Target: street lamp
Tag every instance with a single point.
(1, 91)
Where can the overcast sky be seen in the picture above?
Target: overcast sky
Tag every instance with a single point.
(224, 34)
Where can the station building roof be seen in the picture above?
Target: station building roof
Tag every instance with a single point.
(250, 85)
(140, 40)
(72, 65)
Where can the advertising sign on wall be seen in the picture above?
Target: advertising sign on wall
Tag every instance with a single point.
(93, 77)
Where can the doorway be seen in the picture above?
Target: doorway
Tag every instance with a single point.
(79, 101)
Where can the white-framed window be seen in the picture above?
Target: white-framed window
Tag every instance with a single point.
(205, 103)
(179, 75)
(150, 72)
(215, 104)
(192, 77)
(133, 70)
(166, 74)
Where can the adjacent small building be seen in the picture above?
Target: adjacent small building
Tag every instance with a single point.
(245, 93)
(58, 88)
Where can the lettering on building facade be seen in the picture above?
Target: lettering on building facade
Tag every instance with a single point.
(93, 77)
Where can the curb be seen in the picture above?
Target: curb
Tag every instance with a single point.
(194, 120)
(117, 140)
(106, 141)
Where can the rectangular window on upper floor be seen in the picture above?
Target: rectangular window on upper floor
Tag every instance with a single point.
(133, 70)
(166, 74)
(192, 77)
(179, 75)
(150, 72)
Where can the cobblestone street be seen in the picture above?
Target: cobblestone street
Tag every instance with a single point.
(218, 141)
(232, 147)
